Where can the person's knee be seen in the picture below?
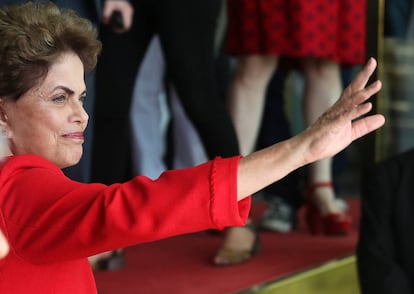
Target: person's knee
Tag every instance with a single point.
(320, 68)
(255, 69)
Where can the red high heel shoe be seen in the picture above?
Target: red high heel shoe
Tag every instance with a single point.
(332, 224)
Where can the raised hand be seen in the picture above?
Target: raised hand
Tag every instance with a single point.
(125, 9)
(345, 122)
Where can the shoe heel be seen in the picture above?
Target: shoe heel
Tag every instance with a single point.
(333, 224)
(337, 224)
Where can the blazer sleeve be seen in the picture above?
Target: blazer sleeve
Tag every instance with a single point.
(47, 217)
(377, 265)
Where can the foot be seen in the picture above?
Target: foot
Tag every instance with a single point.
(323, 214)
(240, 244)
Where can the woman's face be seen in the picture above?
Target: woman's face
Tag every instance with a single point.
(49, 120)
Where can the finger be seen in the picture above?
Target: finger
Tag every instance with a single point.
(360, 110)
(362, 78)
(366, 93)
(127, 19)
(358, 98)
(367, 125)
(106, 14)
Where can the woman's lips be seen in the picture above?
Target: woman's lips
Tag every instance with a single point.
(75, 135)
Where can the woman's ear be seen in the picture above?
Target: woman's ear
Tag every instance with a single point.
(5, 132)
(4, 123)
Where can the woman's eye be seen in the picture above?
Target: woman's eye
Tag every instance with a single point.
(59, 99)
(82, 99)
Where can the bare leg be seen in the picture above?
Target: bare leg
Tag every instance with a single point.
(247, 96)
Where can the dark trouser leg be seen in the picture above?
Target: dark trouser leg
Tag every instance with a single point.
(115, 79)
(187, 34)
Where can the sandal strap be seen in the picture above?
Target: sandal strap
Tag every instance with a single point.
(315, 186)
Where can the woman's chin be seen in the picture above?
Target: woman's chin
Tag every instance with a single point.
(71, 161)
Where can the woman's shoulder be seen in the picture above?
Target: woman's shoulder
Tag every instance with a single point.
(15, 163)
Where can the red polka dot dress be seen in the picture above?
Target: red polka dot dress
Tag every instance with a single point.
(330, 29)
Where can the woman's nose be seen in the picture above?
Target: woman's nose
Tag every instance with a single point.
(80, 113)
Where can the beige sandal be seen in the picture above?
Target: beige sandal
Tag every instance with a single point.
(229, 256)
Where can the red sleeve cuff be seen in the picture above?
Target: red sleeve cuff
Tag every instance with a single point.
(225, 209)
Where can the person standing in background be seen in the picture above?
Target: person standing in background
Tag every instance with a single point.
(162, 135)
(186, 30)
(385, 245)
(317, 37)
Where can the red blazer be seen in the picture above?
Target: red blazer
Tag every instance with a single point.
(53, 223)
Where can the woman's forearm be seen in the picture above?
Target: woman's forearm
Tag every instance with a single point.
(268, 165)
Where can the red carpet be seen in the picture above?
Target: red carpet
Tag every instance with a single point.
(182, 265)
